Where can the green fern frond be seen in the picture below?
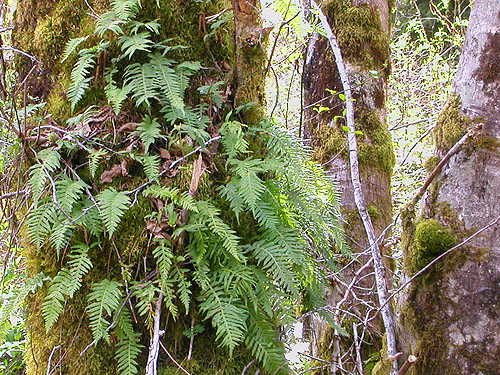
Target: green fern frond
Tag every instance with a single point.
(40, 221)
(152, 26)
(71, 46)
(130, 44)
(89, 217)
(61, 235)
(151, 165)
(68, 192)
(183, 287)
(80, 264)
(125, 9)
(166, 80)
(112, 205)
(109, 22)
(164, 259)
(140, 79)
(161, 192)
(217, 226)
(129, 346)
(262, 339)
(116, 95)
(233, 138)
(149, 131)
(80, 79)
(94, 158)
(50, 158)
(54, 301)
(271, 257)
(37, 181)
(104, 299)
(228, 317)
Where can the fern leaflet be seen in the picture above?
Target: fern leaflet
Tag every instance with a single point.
(112, 205)
(104, 299)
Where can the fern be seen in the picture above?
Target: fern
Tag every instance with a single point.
(68, 192)
(137, 42)
(109, 22)
(37, 181)
(213, 221)
(104, 299)
(61, 235)
(80, 264)
(115, 95)
(40, 221)
(50, 158)
(149, 131)
(54, 302)
(227, 315)
(262, 340)
(140, 79)
(166, 80)
(164, 259)
(71, 46)
(125, 9)
(94, 158)
(129, 346)
(151, 165)
(112, 205)
(80, 80)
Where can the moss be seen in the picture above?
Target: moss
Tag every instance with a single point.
(451, 125)
(374, 142)
(360, 34)
(431, 163)
(430, 240)
(384, 365)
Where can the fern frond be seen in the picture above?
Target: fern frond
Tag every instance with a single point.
(80, 79)
(109, 22)
(61, 235)
(69, 191)
(94, 158)
(125, 9)
(230, 240)
(152, 26)
(167, 81)
(116, 95)
(40, 221)
(89, 217)
(104, 299)
(233, 138)
(50, 158)
(54, 301)
(129, 346)
(71, 46)
(164, 259)
(262, 339)
(130, 44)
(112, 205)
(228, 317)
(151, 165)
(149, 131)
(271, 257)
(37, 181)
(140, 79)
(183, 287)
(80, 264)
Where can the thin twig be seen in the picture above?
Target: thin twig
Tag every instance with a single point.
(173, 359)
(50, 358)
(154, 348)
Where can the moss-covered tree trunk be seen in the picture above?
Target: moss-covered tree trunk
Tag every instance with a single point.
(450, 315)
(362, 31)
(234, 55)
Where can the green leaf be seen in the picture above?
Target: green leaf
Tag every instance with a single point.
(133, 43)
(71, 47)
(149, 131)
(112, 205)
(103, 300)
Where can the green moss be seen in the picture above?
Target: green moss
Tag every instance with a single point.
(360, 34)
(451, 125)
(431, 163)
(384, 365)
(430, 240)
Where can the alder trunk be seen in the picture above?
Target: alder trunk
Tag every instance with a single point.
(449, 316)
(234, 55)
(362, 31)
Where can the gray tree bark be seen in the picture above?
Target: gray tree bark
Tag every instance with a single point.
(450, 316)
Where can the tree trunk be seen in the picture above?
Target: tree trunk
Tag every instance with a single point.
(42, 29)
(362, 31)
(449, 316)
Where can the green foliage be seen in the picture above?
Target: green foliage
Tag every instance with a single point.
(113, 205)
(103, 300)
(240, 256)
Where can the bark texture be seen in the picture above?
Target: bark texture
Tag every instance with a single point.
(450, 316)
(42, 29)
(361, 29)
